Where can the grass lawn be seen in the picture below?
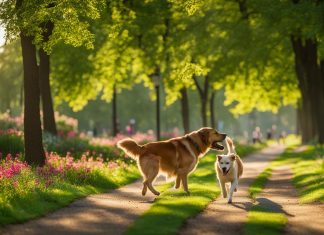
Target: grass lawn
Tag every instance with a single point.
(308, 170)
(258, 184)
(28, 204)
(173, 207)
(265, 222)
(261, 218)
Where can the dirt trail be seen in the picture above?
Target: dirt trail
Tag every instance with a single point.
(222, 218)
(108, 213)
(280, 195)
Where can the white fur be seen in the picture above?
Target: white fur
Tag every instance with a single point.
(228, 167)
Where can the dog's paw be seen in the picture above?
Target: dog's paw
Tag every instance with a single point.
(157, 193)
(229, 201)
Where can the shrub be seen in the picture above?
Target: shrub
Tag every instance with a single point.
(8, 122)
(11, 141)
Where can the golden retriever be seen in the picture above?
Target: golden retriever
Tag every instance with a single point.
(176, 157)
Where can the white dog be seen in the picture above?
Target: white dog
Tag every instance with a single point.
(229, 169)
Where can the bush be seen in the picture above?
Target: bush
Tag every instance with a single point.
(66, 126)
(8, 122)
(11, 141)
(77, 147)
(27, 191)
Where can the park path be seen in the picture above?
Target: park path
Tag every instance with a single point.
(222, 218)
(108, 213)
(280, 195)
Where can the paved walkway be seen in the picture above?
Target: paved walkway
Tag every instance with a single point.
(222, 218)
(108, 213)
(280, 195)
(113, 212)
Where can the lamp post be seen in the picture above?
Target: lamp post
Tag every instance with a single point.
(156, 80)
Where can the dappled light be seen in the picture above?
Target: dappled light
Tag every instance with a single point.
(161, 117)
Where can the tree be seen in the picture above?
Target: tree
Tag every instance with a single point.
(44, 82)
(290, 23)
(25, 18)
(11, 76)
(185, 110)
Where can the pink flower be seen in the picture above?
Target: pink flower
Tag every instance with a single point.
(8, 157)
(15, 184)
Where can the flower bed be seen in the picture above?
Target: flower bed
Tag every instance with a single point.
(11, 141)
(27, 191)
(138, 137)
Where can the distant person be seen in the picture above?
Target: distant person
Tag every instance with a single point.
(256, 135)
(132, 123)
(95, 132)
(269, 134)
(273, 130)
(128, 130)
(282, 137)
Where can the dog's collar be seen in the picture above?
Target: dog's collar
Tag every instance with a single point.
(194, 144)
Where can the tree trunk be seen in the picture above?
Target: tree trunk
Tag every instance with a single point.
(45, 88)
(203, 94)
(321, 105)
(114, 112)
(185, 110)
(310, 82)
(34, 152)
(212, 110)
(158, 122)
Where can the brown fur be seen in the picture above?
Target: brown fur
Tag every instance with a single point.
(176, 157)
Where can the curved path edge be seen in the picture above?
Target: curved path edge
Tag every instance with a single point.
(107, 213)
(222, 218)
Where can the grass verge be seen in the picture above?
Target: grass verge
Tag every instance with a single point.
(173, 207)
(258, 184)
(308, 169)
(261, 218)
(263, 221)
(26, 205)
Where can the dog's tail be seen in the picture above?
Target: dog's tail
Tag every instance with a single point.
(130, 147)
(230, 145)
(239, 165)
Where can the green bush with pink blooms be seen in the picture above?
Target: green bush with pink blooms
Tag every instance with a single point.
(11, 141)
(27, 192)
(8, 122)
(66, 126)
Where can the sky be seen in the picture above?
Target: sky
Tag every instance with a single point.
(2, 36)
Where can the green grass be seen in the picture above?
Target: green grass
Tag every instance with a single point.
(40, 202)
(261, 218)
(173, 207)
(263, 221)
(258, 184)
(308, 170)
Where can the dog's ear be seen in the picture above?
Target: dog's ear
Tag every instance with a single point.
(233, 157)
(204, 135)
(219, 157)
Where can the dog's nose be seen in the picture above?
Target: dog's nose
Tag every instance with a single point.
(224, 169)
